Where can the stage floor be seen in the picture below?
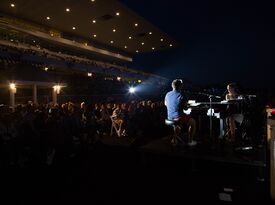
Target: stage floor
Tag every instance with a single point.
(218, 152)
(208, 151)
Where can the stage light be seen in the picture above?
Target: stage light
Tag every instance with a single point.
(57, 89)
(12, 86)
(132, 90)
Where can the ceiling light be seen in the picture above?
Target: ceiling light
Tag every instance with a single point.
(111, 41)
(89, 74)
(94, 21)
(92, 0)
(94, 35)
(73, 28)
(136, 24)
(46, 69)
(142, 43)
(170, 45)
(161, 39)
(150, 33)
(68, 10)
(114, 30)
(125, 46)
(153, 48)
(130, 37)
(117, 13)
(137, 51)
(12, 5)
(48, 18)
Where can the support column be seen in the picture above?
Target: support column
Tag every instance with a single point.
(56, 91)
(34, 94)
(12, 96)
(12, 99)
(54, 96)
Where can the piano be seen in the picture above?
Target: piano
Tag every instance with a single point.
(219, 110)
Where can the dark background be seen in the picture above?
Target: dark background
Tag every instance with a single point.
(219, 41)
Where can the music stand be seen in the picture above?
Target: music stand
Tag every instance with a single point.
(211, 113)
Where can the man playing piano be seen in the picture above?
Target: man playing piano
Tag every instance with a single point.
(175, 102)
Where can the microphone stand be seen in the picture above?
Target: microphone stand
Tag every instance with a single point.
(211, 115)
(210, 97)
(211, 112)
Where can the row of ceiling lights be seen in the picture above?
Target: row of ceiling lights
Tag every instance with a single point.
(114, 30)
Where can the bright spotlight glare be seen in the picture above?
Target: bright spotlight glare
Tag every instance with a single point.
(132, 90)
(12, 86)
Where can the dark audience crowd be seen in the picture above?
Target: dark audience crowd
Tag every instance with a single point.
(44, 134)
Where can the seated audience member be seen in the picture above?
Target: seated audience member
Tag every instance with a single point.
(117, 118)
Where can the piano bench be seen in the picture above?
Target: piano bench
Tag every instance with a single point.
(177, 132)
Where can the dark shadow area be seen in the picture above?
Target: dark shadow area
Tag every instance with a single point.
(117, 171)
